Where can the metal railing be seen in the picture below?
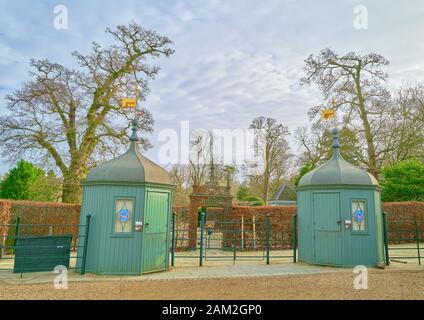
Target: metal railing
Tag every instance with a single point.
(402, 240)
(17, 233)
(233, 240)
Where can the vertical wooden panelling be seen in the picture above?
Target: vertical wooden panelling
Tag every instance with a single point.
(90, 205)
(304, 220)
(110, 253)
(155, 234)
(327, 242)
(327, 228)
(379, 227)
(121, 254)
(360, 248)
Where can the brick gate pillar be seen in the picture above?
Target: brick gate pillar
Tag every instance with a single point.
(195, 203)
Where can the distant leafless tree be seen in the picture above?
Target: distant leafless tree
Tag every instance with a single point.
(272, 141)
(198, 160)
(404, 128)
(180, 177)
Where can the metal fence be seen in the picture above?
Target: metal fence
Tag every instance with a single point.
(235, 240)
(403, 240)
(37, 247)
(260, 240)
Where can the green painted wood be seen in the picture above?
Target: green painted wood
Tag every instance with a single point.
(107, 252)
(364, 248)
(155, 233)
(379, 227)
(41, 253)
(324, 197)
(131, 167)
(337, 171)
(304, 221)
(133, 176)
(359, 246)
(327, 228)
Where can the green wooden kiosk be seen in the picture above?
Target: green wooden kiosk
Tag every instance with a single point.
(129, 199)
(339, 215)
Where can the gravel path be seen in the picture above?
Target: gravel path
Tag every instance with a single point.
(382, 284)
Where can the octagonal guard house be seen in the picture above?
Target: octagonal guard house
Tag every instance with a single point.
(129, 199)
(339, 214)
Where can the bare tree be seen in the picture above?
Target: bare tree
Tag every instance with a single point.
(206, 166)
(271, 139)
(315, 145)
(180, 177)
(404, 129)
(71, 117)
(355, 81)
(198, 161)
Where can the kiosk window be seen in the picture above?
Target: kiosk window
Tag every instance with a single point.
(123, 215)
(359, 215)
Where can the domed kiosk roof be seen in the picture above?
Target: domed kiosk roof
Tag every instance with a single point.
(131, 167)
(337, 171)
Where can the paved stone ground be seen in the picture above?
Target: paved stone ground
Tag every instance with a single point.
(393, 283)
(187, 268)
(244, 280)
(240, 270)
(211, 272)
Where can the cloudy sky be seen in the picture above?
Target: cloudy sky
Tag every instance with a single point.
(234, 59)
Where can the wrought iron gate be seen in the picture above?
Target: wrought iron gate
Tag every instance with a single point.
(241, 238)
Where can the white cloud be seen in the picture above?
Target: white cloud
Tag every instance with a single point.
(234, 60)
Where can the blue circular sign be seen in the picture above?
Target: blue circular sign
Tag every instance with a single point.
(359, 215)
(124, 215)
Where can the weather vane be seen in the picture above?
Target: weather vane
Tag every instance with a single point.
(130, 103)
(329, 113)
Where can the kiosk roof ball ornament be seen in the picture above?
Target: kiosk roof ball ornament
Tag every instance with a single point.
(339, 214)
(337, 171)
(131, 167)
(129, 199)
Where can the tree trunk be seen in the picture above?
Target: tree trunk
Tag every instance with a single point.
(71, 187)
(265, 186)
(372, 158)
